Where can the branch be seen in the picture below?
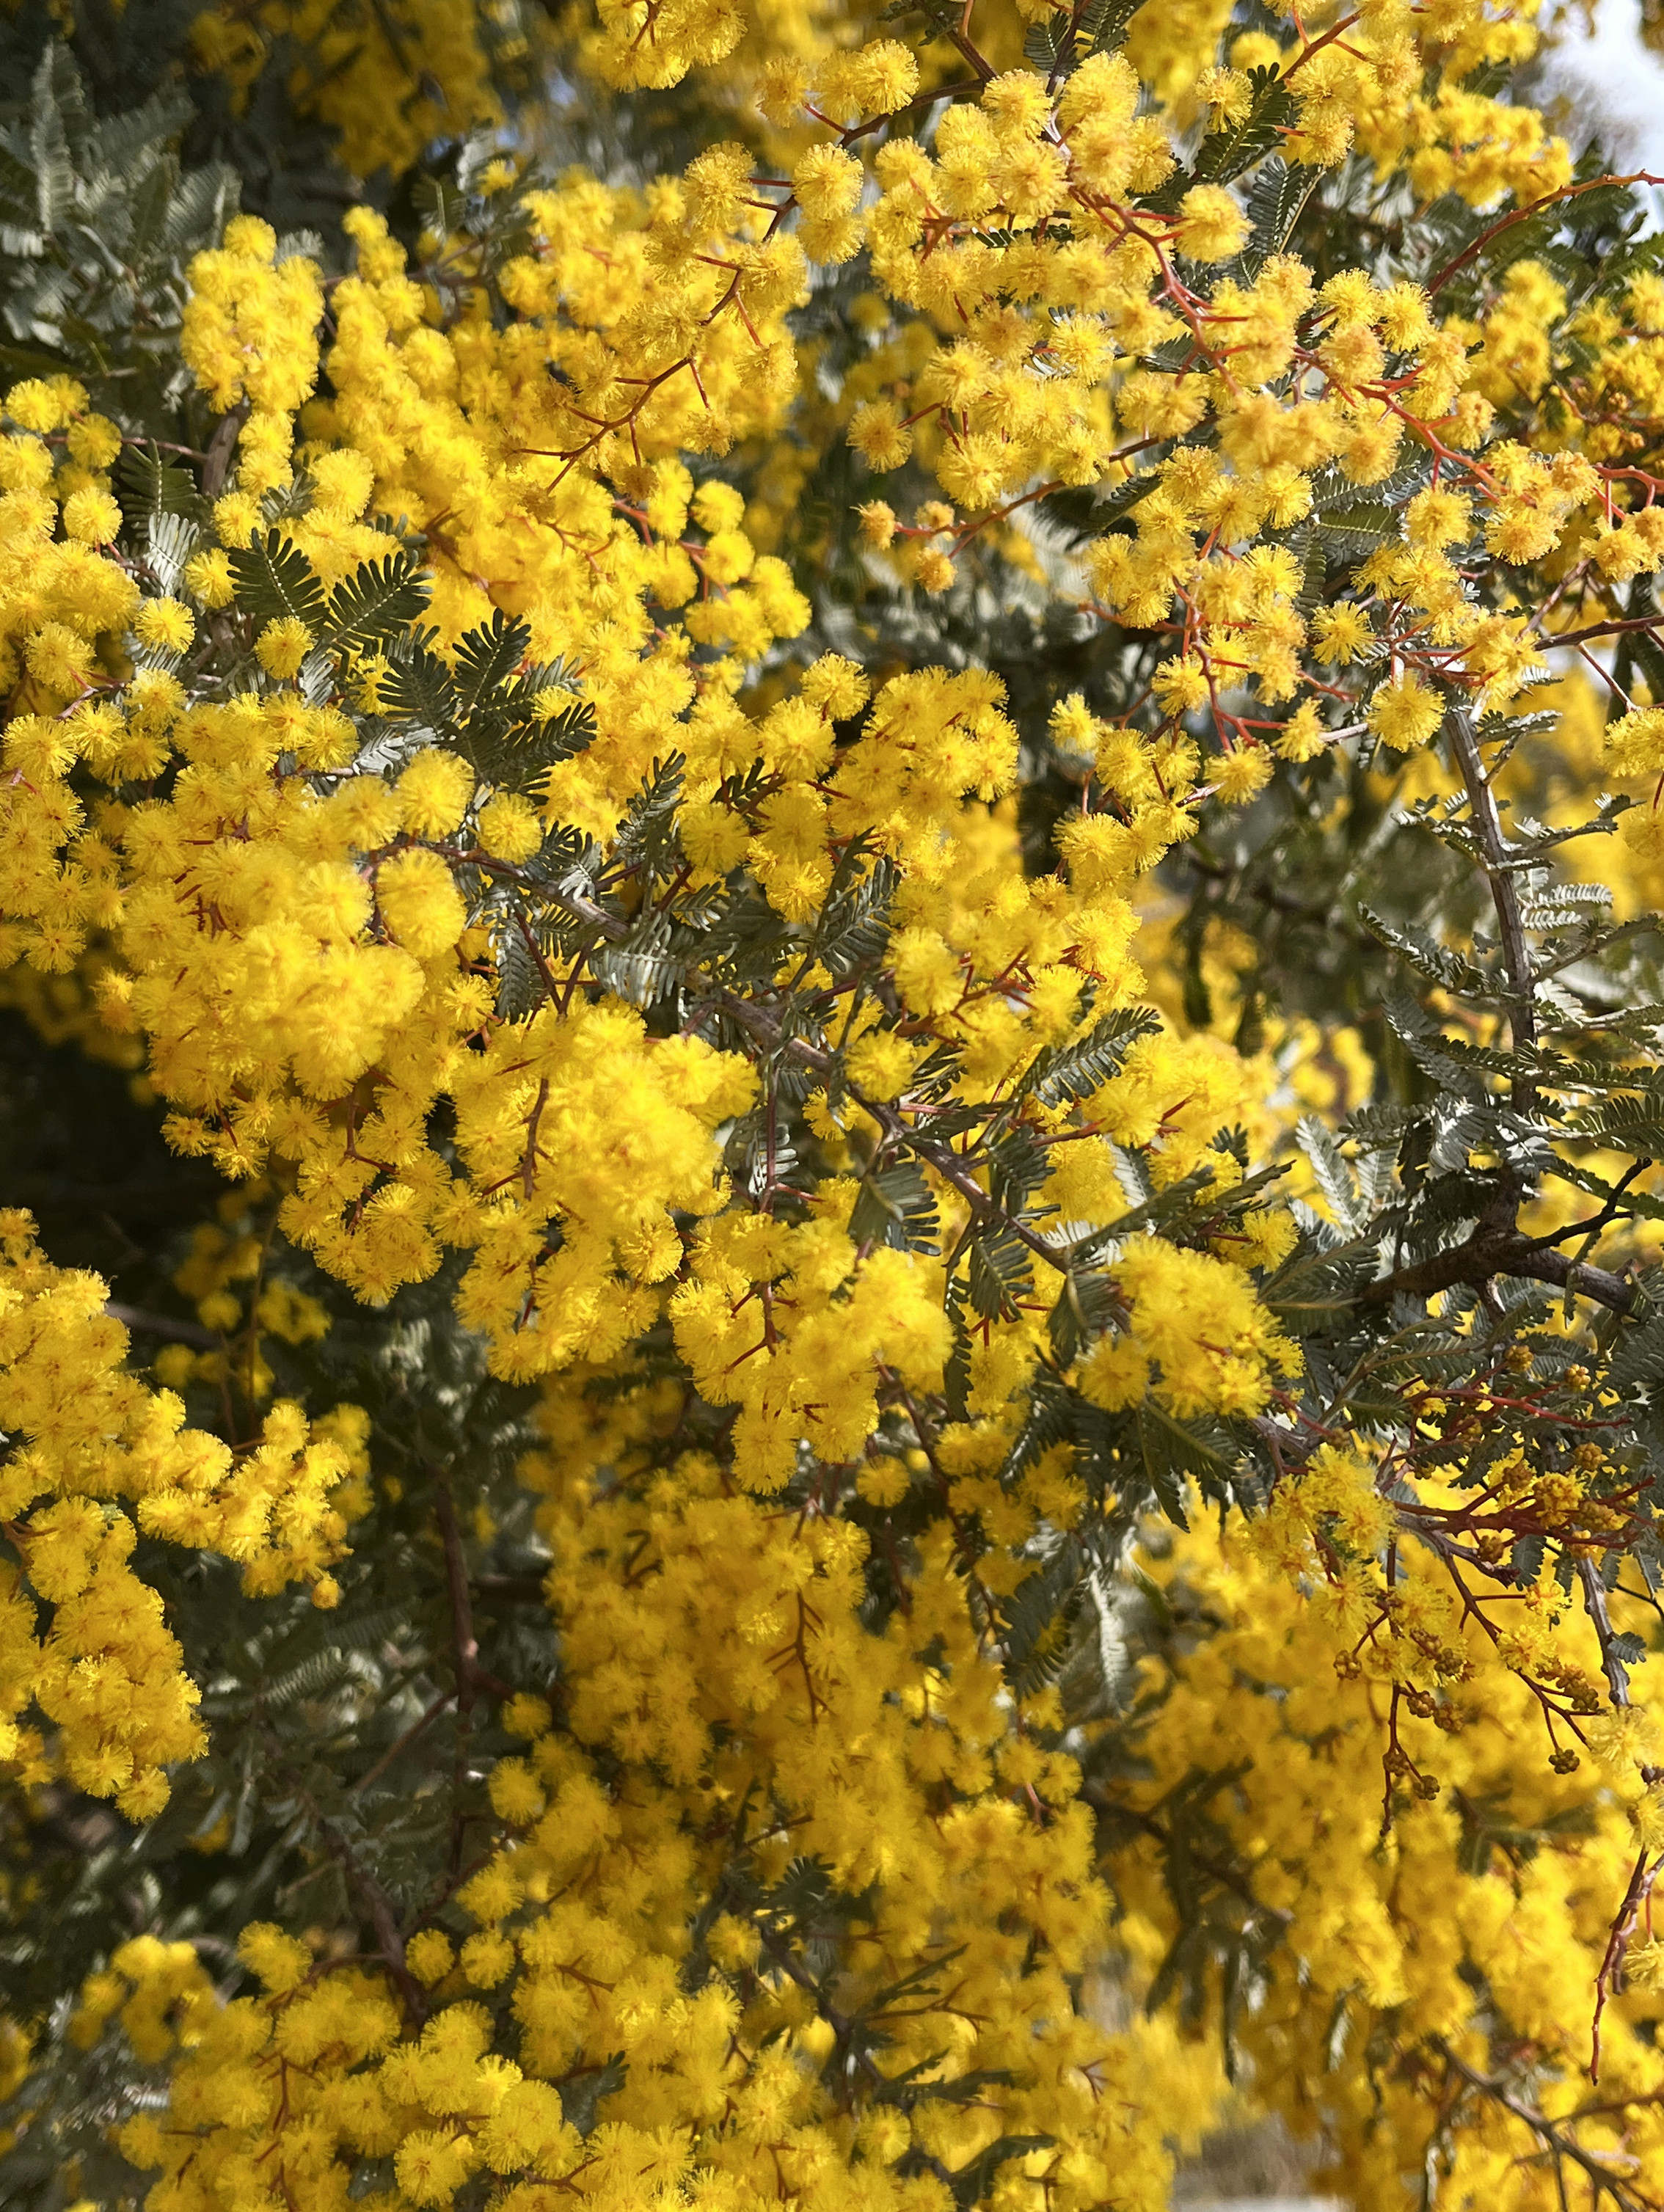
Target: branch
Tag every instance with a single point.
(1595, 1597)
(1504, 896)
(947, 1162)
(965, 86)
(1493, 1250)
(968, 52)
(401, 1743)
(1532, 206)
(216, 462)
(145, 1323)
(379, 1905)
(1174, 1845)
(769, 1031)
(471, 1677)
(1614, 627)
(1496, 1246)
(1642, 1876)
(1499, 1251)
(1552, 2136)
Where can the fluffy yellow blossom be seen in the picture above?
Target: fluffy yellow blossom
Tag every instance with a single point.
(540, 828)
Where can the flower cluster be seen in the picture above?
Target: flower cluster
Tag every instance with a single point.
(515, 866)
(1290, 1778)
(96, 1459)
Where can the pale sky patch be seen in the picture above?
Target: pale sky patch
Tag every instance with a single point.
(1611, 82)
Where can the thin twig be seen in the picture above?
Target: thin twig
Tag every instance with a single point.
(1504, 896)
(471, 1677)
(145, 1323)
(401, 1743)
(1531, 208)
(380, 1908)
(1553, 2137)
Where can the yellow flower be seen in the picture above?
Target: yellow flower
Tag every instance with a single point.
(1211, 225)
(282, 645)
(1406, 713)
(168, 624)
(509, 827)
(92, 516)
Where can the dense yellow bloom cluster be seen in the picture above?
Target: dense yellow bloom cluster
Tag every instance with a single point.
(894, 1765)
(1380, 1931)
(448, 816)
(291, 936)
(310, 979)
(389, 84)
(96, 1458)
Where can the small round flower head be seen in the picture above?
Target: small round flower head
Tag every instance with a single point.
(1339, 633)
(434, 791)
(877, 433)
(420, 902)
(510, 827)
(431, 2167)
(1642, 830)
(1181, 685)
(782, 88)
(278, 1961)
(1438, 516)
(717, 506)
(878, 524)
(236, 515)
(94, 441)
(884, 1481)
(528, 1716)
(91, 516)
(1211, 225)
(836, 685)
(827, 181)
(1242, 774)
(167, 624)
(282, 645)
(250, 238)
(487, 1959)
(1302, 738)
(35, 406)
(1405, 713)
(62, 659)
(1634, 743)
(876, 79)
(208, 577)
(429, 1956)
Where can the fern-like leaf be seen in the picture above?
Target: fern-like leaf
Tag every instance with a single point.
(896, 1207)
(1064, 1073)
(274, 580)
(375, 602)
(488, 656)
(149, 486)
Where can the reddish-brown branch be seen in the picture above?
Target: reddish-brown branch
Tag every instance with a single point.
(1532, 206)
(1642, 1878)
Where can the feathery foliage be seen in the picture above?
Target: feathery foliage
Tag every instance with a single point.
(830, 1290)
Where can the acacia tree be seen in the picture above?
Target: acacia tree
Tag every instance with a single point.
(826, 879)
